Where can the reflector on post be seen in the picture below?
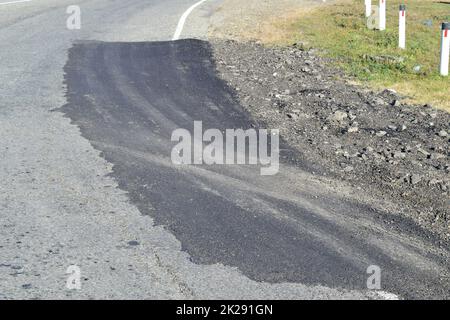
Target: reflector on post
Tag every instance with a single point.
(445, 48)
(402, 27)
(382, 14)
(368, 8)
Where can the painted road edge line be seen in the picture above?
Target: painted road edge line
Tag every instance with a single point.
(183, 18)
(12, 2)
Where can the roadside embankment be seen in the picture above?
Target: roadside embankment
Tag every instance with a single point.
(387, 149)
(340, 30)
(391, 149)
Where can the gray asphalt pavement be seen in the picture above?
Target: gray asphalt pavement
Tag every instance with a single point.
(86, 177)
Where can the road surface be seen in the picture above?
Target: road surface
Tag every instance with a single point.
(86, 178)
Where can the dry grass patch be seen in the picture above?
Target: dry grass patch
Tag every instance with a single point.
(339, 29)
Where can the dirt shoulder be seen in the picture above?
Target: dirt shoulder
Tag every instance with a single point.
(257, 19)
(371, 140)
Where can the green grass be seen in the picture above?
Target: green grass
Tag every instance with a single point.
(340, 31)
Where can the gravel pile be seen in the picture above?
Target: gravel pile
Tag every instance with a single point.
(370, 139)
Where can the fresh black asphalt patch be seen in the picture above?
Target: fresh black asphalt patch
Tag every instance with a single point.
(127, 98)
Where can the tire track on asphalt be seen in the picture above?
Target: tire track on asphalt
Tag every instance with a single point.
(141, 92)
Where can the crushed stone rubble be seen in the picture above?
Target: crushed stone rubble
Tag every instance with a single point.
(371, 139)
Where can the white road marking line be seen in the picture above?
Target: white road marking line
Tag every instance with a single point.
(17, 1)
(182, 21)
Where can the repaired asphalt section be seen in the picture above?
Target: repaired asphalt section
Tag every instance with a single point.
(127, 98)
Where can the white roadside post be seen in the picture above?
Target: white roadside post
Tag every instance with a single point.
(382, 14)
(445, 48)
(402, 27)
(368, 8)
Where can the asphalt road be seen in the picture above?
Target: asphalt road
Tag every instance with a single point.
(86, 177)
